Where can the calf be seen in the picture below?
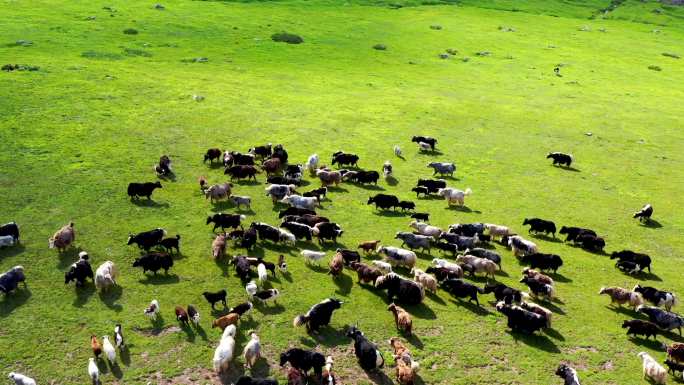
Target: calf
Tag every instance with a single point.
(402, 319)
(560, 158)
(343, 159)
(154, 262)
(79, 271)
(432, 185)
(421, 190)
(171, 243)
(442, 168)
(407, 205)
(369, 246)
(539, 289)
(425, 217)
(365, 273)
(543, 261)
(503, 293)
(242, 172)
(318, 193)
(591, 242)
(295, 211)
(643, 260)
(319, 315)
(540, 226)
(10, 280)
(644, 214)
(299, 230)
(146, 189)
(573, 232)
(304, 360)
(212, 298)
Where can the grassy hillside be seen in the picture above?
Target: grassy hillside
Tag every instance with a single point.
(104, 105)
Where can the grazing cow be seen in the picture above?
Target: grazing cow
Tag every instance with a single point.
(637, 327)
(365, 273)
(484, 253)
(328, 230)
(442, 168)
(644, 214)
(11, 229)
(643, 260)
(242, 172)
(568, 374)
(367, 353)
(540, 226)
(443, 273)
(343, 159)
(652, 370)
(154, 262)
(147, 239)
(218, 192)
(79, 270)
(301, 202)
(213, 154)
(414, 241)
(461, 289)
(664, 319)
(10, 280)
(106, 275)
(426, 229)
(384, 201)
(621, 296)
(521, 320)
(212, 298)
(304, 360)
(231, 221)
(241, 266)
(573, 232)
(521, 246)
(300, 231)
(401, 289)
(432, 185)
(467, 229)
(398, 257)
(266, 231)
(454, 195)
(146, 189)
(479, 265)
(539, 289)
(503, 293)
(279, 191)
(63, 238)
(657, 297)
(241, 159)
(560, 158)
(271, 166)
(261, 151)
(328, 178)
(425, 139)
(319, 315)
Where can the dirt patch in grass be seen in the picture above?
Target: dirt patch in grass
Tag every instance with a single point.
(578, 349)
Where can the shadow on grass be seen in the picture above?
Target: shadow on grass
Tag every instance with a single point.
(83, 294)
(276, 308)
(68, 257)
(647, 343)
(625, 310)
(109, 298)
(537, 341)
(421, 311)
(344, 284)
(391, 213)
(473, 307)
(463, 209)
(149, 203)
(12, 251)
(160, 279)
(14, 300)
(391, 181)
(643, 276)
(125, 355)
(365, 186)
(553, 333)
(547, 238)
(559, 277)
(651, 224)
(414, 340)
(327, 336)
(435, 298)
(379, 377)
(116, 371)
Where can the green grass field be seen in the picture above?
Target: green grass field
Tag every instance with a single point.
(104, 106)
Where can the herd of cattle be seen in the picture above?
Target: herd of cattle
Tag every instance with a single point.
(469, 246)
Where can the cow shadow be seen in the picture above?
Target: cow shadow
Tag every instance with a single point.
(537, 341)
(373, 187)
(553, 333)
(327, 336)
(109, 298)
(276, 308)
(344, 284)
(647, 343)
(189, 333)
(316, 268)
(569, 168)
(159, 279)
(644, 276)
(651, 224)
(379, 377)
(391, 213)
(337, 189)
(247, 182)
(116, 371)
(560, 277)
(167, 177)
(434, 152)
(149, 203)
(125, 355)
(12, 251)
(83, 294)
(463, 209)
(547, 238)
(391, 180)
(13, 301)
(625, 310)
(68, 257)
(221, 206)
(223, 265)
(673, 336)
(472, 307)
(421, 311)
(434, 297)
(414, 340)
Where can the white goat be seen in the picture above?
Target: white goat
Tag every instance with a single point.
(652, 369)
(106, 275)
(454, 195)
(312, 256)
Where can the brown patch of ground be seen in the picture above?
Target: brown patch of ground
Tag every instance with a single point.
(157, 332)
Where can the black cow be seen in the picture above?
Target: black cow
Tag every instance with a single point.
(366, 352)
(543, 261)
(12, 229)
(349, 256)
(299, 230)
(284, 180)
(242, 159)
(304, 360)
(573, 232)
(147, 239)
(461, 289)
(261, 151)
(266, 231)
(560, 158)
(643, 260)
(295, 211)
(637, 327)
(224, 221)
(136, 190)
(591, 242)
(318, 193)
(503, 293)
(421, 190)
(425, 139)
(431, 184)
(319, 314)
(213, 154)
(280, 153)
(242, 172)
(212, 298)
(343, 159)
(241, 266)
(540, 226)
(154, 262)
(78, 272)
(400, 289)
(407, 205)
(328, 230)
(520, 319)
(384, 201)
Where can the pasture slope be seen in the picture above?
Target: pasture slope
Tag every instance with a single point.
(104, 105)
